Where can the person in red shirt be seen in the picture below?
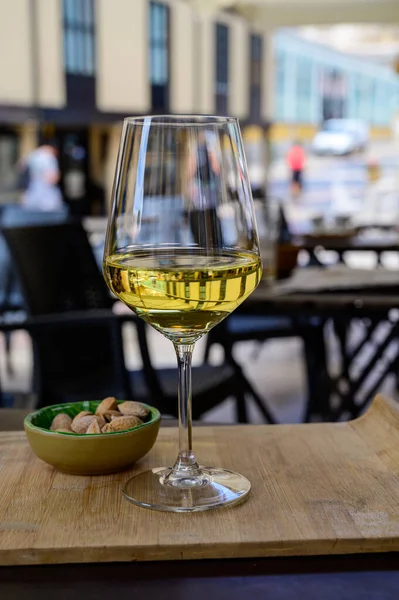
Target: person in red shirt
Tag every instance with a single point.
(296, 160)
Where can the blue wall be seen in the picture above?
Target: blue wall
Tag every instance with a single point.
(369, 91)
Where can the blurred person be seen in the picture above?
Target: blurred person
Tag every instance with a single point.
(296, 159)
(40, 174)
(204, 172)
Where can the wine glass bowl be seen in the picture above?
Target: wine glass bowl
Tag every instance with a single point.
(181, 291)
(182, 252)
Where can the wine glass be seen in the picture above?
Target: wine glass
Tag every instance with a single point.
(182, 252)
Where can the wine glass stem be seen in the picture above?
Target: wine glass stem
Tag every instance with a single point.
(185, 462)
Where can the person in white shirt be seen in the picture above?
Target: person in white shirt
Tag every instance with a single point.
(43, 174)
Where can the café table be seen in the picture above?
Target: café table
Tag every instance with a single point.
(341, 244)
(363, 573)
(337, 295)
(347, 577)
(340, 296)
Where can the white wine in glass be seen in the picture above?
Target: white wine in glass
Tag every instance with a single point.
(182, 252)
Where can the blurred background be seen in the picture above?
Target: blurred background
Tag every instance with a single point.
(314, 83)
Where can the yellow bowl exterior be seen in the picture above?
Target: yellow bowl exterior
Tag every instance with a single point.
(92, 454)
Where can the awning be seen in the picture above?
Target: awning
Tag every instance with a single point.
(288, 13)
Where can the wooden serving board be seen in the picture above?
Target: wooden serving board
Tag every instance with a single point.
(317, 489)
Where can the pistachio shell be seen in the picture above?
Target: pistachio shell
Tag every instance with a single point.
(61, 421)
(82, 425)
(83, 413)
(111, 414)
(94, 427)
(134, 409)
(121, 424)
(106, 405)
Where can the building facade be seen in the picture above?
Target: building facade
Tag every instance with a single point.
(75, 68)
(72, 69)
(315, 82)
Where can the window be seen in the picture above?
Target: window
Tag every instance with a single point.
(222, 68)
(333, 94)
(256, 51)
(280, 83)
(303, 89)
(373, 102)
(79, 58)
(363, 97)
(357, 96)
(159, 56)
(379, 108)
(8, 160)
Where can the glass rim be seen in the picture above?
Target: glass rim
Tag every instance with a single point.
(181, 120)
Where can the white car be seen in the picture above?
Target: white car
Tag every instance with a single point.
(341, 136)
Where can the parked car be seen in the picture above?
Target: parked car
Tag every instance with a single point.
(339, 137)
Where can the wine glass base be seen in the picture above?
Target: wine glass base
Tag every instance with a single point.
(220, 488)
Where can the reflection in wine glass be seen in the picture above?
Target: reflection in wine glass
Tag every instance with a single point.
(182, 253)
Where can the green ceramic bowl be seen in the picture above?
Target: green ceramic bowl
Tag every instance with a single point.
(96, 454)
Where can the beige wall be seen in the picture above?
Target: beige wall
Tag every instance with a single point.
(110, 161)
(268, 77)
(122, 56)
(238, 68)
(238, 63)
(51, 84)
(96, 161)
(28, 136)
(279, 13)
(15, 42)
(205, 65)
(183, 68)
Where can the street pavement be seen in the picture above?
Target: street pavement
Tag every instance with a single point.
(340, 185)
(333, 186)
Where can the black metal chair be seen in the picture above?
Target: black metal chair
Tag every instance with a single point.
(78, 345)
(58, 274)
(245, 327)
(11, 300)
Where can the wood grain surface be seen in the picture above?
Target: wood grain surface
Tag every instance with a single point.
(317, 489)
